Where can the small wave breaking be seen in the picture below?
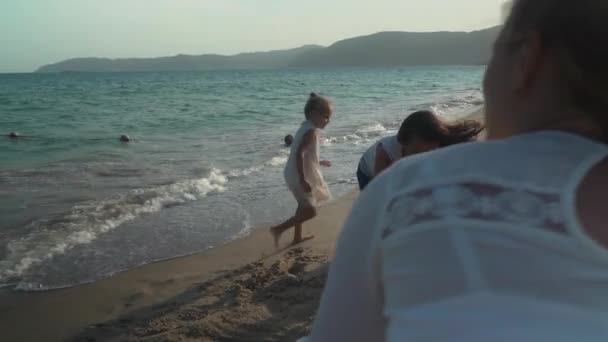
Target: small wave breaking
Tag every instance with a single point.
(361, 135)
(276, 161)
(86, 221)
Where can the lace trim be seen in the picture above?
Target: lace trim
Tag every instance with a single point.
(480, 202)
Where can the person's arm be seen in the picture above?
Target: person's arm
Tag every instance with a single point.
(352, 301)
(325, 163)
(383, 161)
(307, 140)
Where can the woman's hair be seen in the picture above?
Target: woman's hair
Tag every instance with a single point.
(575, 34)
(429, 127)
(317, 103)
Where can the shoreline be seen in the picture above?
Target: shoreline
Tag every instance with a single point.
(243, 290)
(61, 314)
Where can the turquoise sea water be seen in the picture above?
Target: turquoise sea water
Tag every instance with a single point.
(205, 164)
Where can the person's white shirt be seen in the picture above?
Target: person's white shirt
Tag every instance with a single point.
(393, 149)
(477, 242)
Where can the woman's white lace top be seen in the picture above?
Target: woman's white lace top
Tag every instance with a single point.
(475, 242)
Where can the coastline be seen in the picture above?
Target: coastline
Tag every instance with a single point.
(119, 305)
(243, 290)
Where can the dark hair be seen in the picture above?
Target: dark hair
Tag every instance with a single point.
(574, 34)
(428, 126)
(317, 103)
(288, 139)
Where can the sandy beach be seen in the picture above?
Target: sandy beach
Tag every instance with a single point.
(242, 291)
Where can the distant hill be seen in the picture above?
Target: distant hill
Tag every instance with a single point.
(254, 60)
(380, 49)
(405, 48)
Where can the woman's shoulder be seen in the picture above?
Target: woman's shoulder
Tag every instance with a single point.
(542, 159)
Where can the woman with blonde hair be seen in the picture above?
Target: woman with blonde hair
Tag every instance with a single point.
(501, 240)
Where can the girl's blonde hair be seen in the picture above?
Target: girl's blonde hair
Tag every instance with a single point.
(575, 33)
(316, 103)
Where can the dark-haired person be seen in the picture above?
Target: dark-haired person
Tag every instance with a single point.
(501, 240)
(421, 131)
(288, 140)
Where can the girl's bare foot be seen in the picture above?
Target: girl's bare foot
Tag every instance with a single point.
(301, 239)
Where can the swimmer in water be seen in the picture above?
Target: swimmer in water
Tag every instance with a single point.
(288, 140)
(125, 138)
(13, 135)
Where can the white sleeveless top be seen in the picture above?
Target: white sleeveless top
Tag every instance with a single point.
(476, 242)
(392, 147)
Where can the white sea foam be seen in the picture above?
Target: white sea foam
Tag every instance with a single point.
(361, 135)
(86, 221)
(245, 230)
(459, 106)
(276, 161)
(372, 129)
(245, 172)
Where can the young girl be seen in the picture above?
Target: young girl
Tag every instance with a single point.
(420, 132)
(302, 172)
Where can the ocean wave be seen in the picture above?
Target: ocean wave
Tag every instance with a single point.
(86, 221)
(361, 134)
(246, 229)
(276, 161)
(238, 173)
(457, 105)
(126, 172)
(373, 129)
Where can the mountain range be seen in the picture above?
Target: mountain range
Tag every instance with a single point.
(380, 49)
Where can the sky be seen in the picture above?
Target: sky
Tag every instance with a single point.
(38, 32)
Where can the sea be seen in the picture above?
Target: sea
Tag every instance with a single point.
(204, 165)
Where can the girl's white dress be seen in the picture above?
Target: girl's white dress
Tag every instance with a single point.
(312, 171)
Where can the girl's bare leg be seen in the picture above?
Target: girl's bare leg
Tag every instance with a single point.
(302, 215)
(297, 235)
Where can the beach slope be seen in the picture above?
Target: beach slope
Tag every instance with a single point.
(242, 291)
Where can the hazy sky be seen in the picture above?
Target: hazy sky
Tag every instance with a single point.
(37, 32)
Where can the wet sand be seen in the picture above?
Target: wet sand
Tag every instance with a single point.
(243, 291)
